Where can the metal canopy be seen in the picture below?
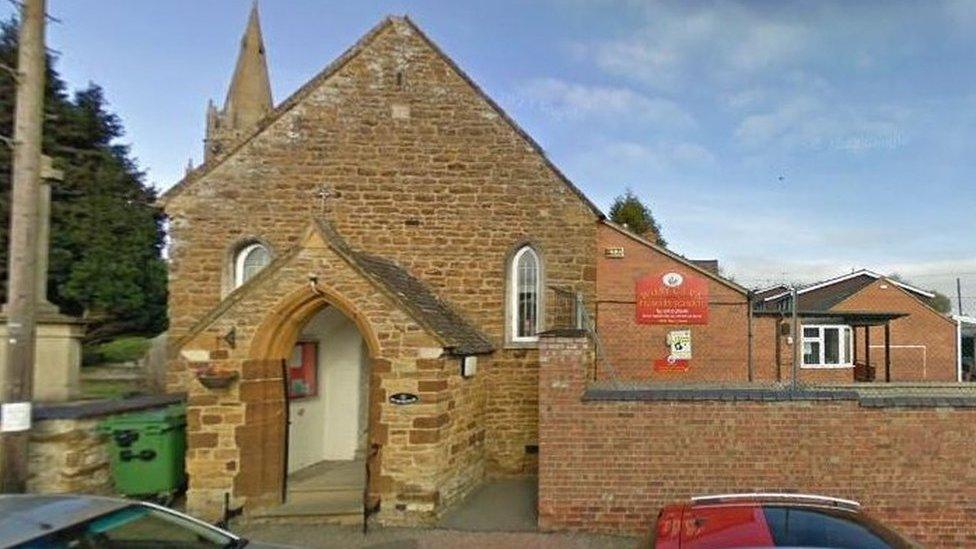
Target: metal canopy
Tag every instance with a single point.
(852, 318)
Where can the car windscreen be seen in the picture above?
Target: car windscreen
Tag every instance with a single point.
(135, 527)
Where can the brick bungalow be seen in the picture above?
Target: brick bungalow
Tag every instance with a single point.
(923, 341)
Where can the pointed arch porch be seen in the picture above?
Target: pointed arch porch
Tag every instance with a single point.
(263, 437)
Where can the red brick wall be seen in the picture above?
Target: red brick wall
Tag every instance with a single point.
(610, 466)
(923, 343)
(719, 348)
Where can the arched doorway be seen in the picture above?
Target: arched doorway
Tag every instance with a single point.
(324, 350)
(327, 392)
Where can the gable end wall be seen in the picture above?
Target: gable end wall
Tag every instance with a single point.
(426, 173)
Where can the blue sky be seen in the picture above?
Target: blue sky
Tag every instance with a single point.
(789, 140)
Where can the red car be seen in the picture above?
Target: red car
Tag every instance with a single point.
(770, 520)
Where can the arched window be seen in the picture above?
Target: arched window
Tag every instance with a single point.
(249, 261)
(526, 295)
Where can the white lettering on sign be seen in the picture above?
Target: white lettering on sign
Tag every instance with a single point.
(679, 343)
(15, 416)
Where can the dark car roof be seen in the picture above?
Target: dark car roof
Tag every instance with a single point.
(25, 517)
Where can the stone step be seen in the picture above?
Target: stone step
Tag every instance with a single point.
(316, 507)
(326, 496)
(341, 486)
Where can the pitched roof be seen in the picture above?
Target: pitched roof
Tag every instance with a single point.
(762, 293)
(334, 67)
(690, 263)
(416, 297)
(824, 295)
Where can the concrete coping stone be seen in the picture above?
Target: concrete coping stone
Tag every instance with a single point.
(719, 394)
(97, 408)
(873, 397)
(565, 333)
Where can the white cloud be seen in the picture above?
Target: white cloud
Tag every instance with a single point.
(677, 46)
(961, 13)
(807, 122)
(658, 156)
(562, 99)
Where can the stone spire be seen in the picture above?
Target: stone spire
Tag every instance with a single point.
(249, 96)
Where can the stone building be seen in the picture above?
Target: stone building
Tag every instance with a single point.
(359, 276)
(389, 242)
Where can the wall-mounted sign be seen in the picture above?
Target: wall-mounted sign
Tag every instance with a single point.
(303, 370)
(672, 298)
(671, 365)
(404, 398)
(614, 252)
(469, 366)
(679, 344)
(15, 417)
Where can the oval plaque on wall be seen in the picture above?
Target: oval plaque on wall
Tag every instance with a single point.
(404, 398)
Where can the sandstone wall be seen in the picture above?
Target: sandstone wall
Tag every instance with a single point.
(419, 168)
(69, 456)
(430, 453)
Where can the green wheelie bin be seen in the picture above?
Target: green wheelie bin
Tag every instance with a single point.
(148, 451)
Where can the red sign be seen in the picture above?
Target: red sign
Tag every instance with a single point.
(670, 365)
(672, 298)
(303, 368)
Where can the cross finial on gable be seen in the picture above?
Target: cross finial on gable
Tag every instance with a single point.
(323, 193)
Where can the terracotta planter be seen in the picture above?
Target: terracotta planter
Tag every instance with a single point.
(217, 380)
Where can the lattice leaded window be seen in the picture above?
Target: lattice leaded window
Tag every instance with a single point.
(526, 287)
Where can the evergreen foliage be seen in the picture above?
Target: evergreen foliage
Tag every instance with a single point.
(106, 233)
(629, 211)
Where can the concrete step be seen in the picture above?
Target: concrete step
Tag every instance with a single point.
(343, 485)
(326, 496)
(316, 507)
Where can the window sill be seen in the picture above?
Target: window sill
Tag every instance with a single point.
(530, 344)
(826, 366)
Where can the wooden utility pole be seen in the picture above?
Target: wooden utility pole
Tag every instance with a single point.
(22, 281)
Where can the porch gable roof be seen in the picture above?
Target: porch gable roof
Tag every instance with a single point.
(413, 296)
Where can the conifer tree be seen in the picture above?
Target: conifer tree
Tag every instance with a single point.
(629, 211)
(106, 233)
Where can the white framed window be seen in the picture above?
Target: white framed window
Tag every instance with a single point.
(249, 262)
(827, 346)
(525, 305)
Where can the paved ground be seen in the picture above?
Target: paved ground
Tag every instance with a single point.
(500, 506)
(499, 514)
(309, 535)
